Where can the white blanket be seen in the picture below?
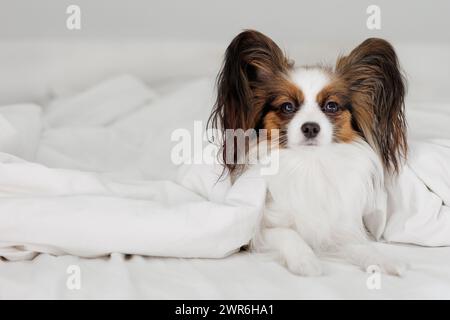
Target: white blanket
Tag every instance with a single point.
(113, 205)
(90, 175)
(419, 199)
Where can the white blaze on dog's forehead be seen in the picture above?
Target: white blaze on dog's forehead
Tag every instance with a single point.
(311, 81)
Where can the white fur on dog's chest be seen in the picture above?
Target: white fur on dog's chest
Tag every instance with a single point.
(324, 192)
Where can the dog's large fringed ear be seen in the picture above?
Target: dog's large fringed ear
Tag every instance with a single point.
(251, 59)
(378, 88)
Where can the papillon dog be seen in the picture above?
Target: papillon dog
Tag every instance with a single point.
(339, 131)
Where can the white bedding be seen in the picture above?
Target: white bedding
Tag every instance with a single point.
(93, 172)
(108, 209)
(240, 276)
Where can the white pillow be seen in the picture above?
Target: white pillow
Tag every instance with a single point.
(137, 144)
(101, 104)
(20, 129)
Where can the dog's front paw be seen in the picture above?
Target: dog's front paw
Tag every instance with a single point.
(394, 267)
(304, 265)
(390, 266)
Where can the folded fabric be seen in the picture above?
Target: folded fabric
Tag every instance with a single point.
(62, 211)
(137, 144)
(419, 198)
(20, 129)
(101, 104)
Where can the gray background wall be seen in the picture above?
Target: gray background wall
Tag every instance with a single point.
(210, 20)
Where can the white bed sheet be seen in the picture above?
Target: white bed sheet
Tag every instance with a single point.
(241, 276)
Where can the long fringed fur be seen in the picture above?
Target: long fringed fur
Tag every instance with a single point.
(377, 88)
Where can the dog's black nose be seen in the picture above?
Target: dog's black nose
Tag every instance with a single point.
(310, 129)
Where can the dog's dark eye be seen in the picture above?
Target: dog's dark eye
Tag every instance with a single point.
(331, 107)
(287, 107)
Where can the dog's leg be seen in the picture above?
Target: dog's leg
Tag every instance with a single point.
(294, 252)
(365, 255)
